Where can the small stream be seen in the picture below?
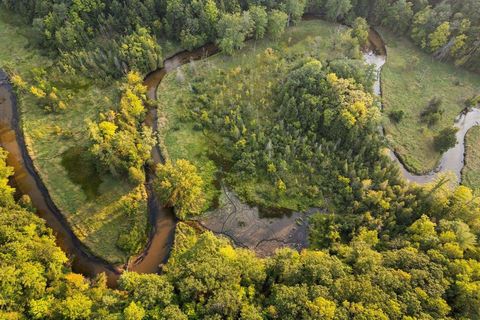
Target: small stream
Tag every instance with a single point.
(452, 160)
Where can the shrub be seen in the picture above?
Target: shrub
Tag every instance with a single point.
(446, 139)
(433, 112)
(358, 70)
(179, 185)
(396, 115)
(136, 176)
(472, 101)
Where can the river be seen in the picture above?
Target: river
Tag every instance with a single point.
(27, 181)
(162, 219)
(453, 160)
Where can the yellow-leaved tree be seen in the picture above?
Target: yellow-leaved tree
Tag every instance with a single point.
(6, 192)
(178, 184)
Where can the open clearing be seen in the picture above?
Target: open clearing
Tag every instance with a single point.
(410, 79)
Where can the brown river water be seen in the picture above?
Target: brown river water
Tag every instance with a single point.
(161, 218)
(27, 180)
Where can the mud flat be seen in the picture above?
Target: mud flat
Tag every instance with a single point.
(249, 227)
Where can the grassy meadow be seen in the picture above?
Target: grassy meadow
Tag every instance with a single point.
(471, 171)
(57, 143)
(410, 79)
(251, 75)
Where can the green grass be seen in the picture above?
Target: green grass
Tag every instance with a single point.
(471, 171)
(179, 135)
(90, 209)
(410, 78)
(182, 141)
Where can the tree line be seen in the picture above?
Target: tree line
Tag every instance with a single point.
(449, 30)
(111, 37)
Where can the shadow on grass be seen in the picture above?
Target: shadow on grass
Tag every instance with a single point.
(82, 171)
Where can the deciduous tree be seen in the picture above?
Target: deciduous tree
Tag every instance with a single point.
(179, 185)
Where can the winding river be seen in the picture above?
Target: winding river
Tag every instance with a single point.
(162, 219)
(453, 160)
(27, 180)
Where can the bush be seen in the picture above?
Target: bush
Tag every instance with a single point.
(179, 185)
(446, 139)
(472, 101)
(358, 70)
(134, 235)
(433, 112)
(131, 241)
(396, 116)
(360, 31)
(136, 176)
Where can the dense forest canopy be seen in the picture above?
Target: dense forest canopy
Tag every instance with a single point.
(112, 37)
(429, 270)
(381, 249)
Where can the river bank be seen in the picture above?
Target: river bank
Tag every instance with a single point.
(27, 181)
(411, 79)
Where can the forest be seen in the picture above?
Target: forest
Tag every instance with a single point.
(286, 115)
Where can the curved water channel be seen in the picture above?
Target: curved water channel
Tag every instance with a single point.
(453, 160)
(27, 180)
